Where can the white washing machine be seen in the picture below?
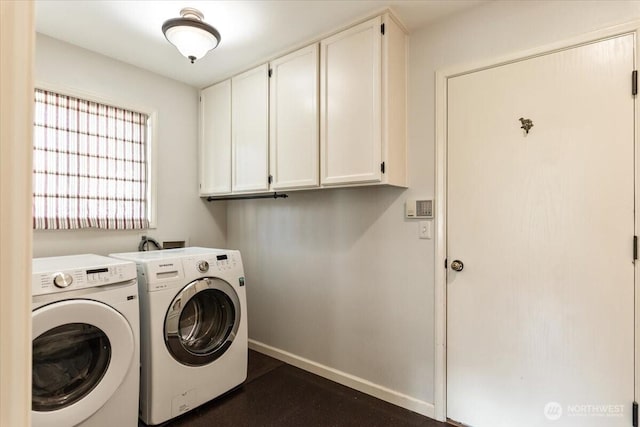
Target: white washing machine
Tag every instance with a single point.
(193, 320)
(86, 348)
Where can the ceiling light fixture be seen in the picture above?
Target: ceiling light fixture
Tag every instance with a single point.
(190, 34)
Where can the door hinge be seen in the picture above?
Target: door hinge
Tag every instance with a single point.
(382, 167)
(270, 72)
(270, 179)
(634, 82)
(382, 29)
(634, 415)
(445, 263)
(635, 248)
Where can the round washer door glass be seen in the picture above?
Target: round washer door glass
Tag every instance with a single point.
(82, 351)
(202, 321)
(68, 362)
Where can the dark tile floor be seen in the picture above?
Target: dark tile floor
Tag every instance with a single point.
(280, 395)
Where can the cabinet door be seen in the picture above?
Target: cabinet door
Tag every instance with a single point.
(250, 130)
(350, 105)
(215, 139)
(294, 142)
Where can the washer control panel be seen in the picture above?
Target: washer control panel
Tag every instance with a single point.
(46, 282)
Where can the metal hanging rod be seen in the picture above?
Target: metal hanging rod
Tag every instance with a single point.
(257, 196)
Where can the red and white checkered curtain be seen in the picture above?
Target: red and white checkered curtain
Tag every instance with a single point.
(89, 165)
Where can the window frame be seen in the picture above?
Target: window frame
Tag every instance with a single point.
(152, 125)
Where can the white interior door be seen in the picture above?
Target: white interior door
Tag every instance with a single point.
(540, 321)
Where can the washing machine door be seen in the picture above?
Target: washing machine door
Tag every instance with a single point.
(202, 321)
(82, 350)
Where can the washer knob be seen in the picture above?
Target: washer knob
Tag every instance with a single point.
(62, 280)
(203, 266)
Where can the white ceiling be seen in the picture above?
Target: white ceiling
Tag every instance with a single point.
(252, 31)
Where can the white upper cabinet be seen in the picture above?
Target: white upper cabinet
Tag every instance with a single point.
(332, 114)
(215, 139)
(250, 131)
(363, 105)
(294, 142)
(294, 120)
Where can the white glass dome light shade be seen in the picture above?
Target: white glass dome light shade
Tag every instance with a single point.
(192, 37)
(192, 42)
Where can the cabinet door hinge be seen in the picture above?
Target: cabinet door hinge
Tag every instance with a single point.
(634, 415)
(634, 82)
(270, 179)
(382, 29)
(382, 167)
(270, 72)
(635, 248)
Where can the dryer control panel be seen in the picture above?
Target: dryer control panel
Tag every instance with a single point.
(174, 268)
(223, 262)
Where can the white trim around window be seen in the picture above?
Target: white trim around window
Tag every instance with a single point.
(152, 126)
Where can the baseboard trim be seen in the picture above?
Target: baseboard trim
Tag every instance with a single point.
(356, 383)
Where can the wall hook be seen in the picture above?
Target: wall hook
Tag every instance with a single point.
(527, 124)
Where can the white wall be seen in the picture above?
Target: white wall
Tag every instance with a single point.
(181, 214)
(339, 276)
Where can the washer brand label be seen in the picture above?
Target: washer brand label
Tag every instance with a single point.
(165, 265)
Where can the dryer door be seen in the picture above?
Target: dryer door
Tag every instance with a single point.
(82, 350)
(202, 321)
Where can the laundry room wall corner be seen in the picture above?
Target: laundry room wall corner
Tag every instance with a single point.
(338, 277)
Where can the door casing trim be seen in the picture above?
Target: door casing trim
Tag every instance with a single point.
(440, 253)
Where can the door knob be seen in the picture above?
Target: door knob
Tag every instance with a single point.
(457, 265)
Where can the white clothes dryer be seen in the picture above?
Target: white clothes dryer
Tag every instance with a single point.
(86, 347)
(193, 328)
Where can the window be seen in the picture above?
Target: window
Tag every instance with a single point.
(90, 165)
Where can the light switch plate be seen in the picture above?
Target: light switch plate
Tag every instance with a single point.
(425, 229)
